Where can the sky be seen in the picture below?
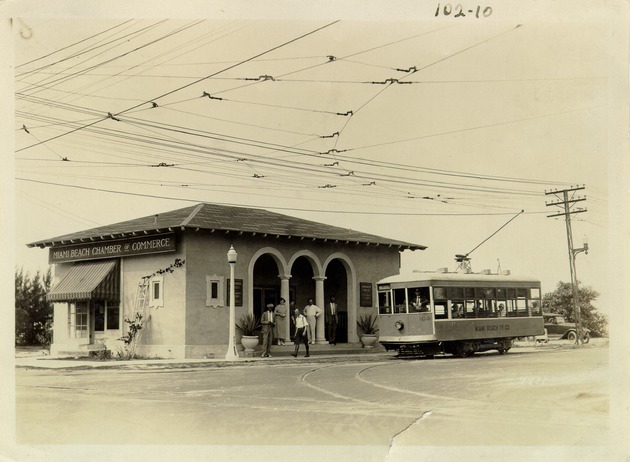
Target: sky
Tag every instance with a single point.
(413, 125)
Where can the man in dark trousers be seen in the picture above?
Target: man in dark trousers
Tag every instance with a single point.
(332, 311)
(267, 323)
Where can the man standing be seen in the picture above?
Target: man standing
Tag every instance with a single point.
(331, 321)
(312, 312)
(267, 323)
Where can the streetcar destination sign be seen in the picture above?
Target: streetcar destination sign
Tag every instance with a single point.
(116, 248)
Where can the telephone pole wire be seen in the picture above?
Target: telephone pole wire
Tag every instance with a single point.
(568, 206)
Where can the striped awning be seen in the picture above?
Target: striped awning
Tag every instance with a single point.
(94, 280)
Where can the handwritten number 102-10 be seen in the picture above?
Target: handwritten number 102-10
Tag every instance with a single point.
(459, 12)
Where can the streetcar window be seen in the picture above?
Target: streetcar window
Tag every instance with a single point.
(534, 301)
(535, 308)
(511, 293)
(399, 302)
(455, 293)
(457, 310)
(491, 308)
(384, 304)
(511, 307)
(419, 299)
(439, 293)
(470, 309)
(521, 307)
(469, 293)
(440, 310)
(501, 294)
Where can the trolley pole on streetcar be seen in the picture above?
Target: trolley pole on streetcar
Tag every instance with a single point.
(567, 204)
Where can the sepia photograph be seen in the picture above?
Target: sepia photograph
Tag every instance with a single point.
(268, 231)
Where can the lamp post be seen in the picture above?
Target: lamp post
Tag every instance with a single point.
(231, 354)
(576, 306)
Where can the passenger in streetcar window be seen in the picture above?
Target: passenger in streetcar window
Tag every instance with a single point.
(456, 311)
(419, 303)
(416, 300)
(501, 311)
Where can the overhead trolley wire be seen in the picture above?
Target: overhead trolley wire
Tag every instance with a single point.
(327, 210)
(188, 85)
(65, 48)
(87, 69)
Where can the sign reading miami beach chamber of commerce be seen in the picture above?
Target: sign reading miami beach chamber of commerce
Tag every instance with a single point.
(157, 243)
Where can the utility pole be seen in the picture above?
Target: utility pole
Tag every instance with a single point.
(567, 204)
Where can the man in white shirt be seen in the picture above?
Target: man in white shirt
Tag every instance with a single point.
(301, 325)
(332, 311)
(312, 312)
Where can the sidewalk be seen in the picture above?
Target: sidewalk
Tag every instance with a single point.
(39, 359)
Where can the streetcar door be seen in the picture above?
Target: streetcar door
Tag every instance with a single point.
(420, 304)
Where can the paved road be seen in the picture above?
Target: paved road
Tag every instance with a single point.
(528, 397)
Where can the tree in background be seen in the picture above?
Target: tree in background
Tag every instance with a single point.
(560, 301)
(33, 313)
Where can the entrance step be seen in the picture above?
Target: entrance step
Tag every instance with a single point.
(315, 350)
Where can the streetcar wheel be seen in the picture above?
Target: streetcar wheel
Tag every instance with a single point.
(430, 356)
(470, 353)
(461, 350)
(572, 336)
(502, 351)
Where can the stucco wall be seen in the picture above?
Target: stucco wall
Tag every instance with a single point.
(164, 328)
(206, 254)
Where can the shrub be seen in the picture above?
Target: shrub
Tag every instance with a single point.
(248, 324)
(367, 324)
(130, 339)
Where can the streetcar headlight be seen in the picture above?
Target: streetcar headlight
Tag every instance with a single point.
(399, 325)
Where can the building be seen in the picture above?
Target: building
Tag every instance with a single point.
(173, 268)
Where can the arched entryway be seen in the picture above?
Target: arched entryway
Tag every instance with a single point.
(336, 285)
(266, 284)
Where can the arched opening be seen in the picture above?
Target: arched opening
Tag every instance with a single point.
(302, 282)
(336, 285)
(266, 284)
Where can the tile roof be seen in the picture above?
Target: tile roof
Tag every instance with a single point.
(226, 218)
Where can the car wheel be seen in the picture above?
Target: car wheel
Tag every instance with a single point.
(572, 336)
(586, 337)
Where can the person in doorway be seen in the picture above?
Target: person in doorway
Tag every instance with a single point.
(280, 331)
(301, 335)
(332, 311)
(312, 312)
(267, 321)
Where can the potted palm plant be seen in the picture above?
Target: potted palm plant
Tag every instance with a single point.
(367, 330)
(249, 326)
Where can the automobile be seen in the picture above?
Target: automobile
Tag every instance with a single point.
(556, 327)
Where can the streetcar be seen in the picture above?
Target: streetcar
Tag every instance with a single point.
(424, 314)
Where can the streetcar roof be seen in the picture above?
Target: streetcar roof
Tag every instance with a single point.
(436, 277)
